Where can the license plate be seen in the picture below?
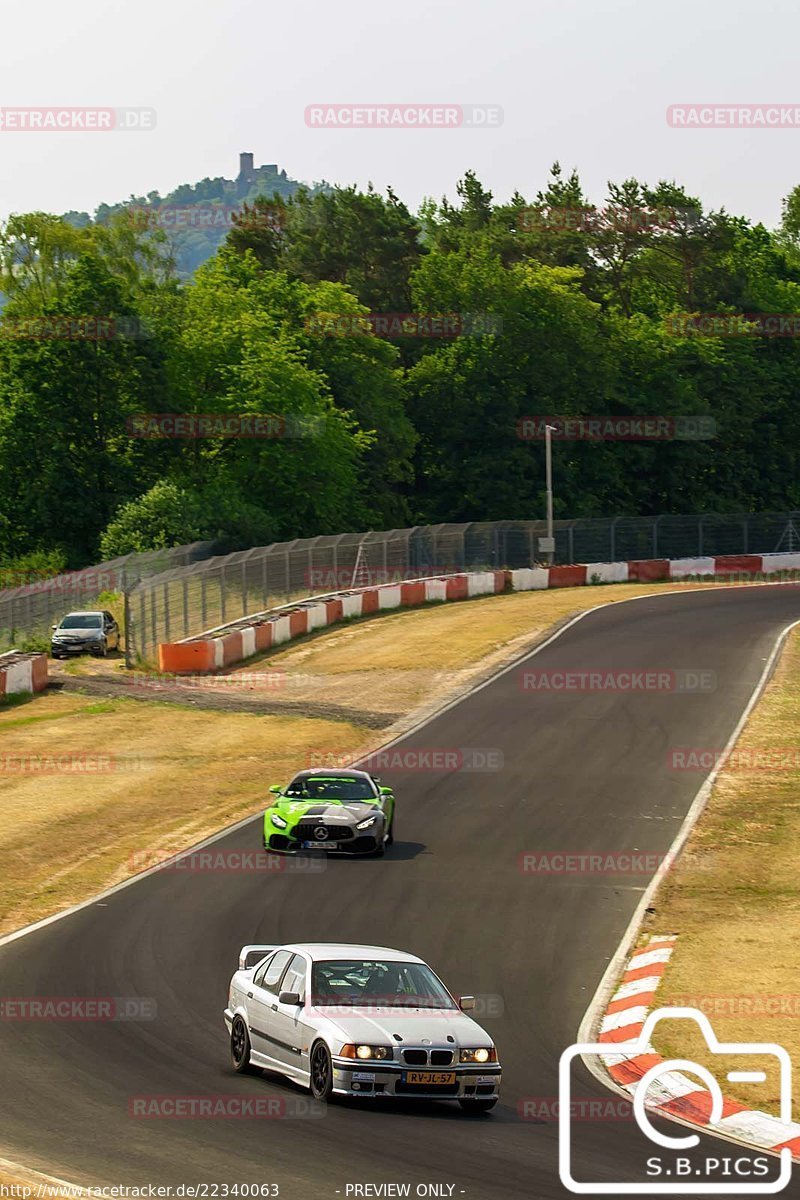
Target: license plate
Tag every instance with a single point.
(319, 845)
(431, 1078)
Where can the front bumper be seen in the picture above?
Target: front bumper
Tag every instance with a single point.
(384, 1079)
(71, 647)
(284, 843)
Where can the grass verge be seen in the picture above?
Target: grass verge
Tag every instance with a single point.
(734, 896)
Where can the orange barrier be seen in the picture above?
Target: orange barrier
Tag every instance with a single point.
(412, 593)
(566, 576)
(648, 570)
(298, 622)
(370, 601)
(182, 658)
(457, 588)
(750, 564)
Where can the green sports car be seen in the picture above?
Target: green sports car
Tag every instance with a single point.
(337, 810)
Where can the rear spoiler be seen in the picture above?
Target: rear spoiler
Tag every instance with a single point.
(250, 955)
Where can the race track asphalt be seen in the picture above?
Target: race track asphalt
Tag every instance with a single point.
(583, 772)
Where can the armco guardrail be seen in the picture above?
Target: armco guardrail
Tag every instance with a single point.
(227, 644)
(180, 603)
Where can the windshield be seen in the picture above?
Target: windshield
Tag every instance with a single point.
(82, 621)
(331, 787)
(367, 982)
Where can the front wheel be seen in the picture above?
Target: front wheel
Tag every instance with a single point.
(321, 1072)
(477, 1106)
(240, 1048)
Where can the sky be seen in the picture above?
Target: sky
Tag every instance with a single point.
(587, 82)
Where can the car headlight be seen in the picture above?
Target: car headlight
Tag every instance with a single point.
(482, 1054)
(366, 824)
(365, 1052)
(279, 821)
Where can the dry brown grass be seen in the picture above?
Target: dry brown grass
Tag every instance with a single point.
(402, 659)
(168, 777)
(735, 902)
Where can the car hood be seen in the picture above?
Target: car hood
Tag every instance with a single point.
(326, 810)
(77, 633)
(377, 1026)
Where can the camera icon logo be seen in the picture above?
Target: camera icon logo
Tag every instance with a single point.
(648, 1095)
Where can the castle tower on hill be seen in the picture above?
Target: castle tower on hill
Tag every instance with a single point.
(247, 168)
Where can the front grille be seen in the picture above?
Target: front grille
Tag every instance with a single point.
(416, 1058)
(441, 1058)
(336, 833)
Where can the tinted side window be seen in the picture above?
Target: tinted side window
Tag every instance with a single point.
(295, 978)
(275, 969)
(258, 978)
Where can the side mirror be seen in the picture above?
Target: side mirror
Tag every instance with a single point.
(384, 791)
(289, 998)
(467, 1003)
(54, 627)
(276, 787)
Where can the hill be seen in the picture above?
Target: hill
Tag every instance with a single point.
(197, 216)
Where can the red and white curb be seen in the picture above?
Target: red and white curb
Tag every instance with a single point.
(239, 640)
(22, 673)
(673, 1093)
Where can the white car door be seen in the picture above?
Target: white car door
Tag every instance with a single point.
(260, 1000)
(290, 1036)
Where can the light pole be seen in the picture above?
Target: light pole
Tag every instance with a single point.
(547, 544)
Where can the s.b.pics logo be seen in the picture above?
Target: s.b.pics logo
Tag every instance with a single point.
(663, 1162)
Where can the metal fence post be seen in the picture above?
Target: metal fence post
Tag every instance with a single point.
(572, 543)
(166, 613)
(203, 601)
(153, 623)
(265, 597)
(185, 607)
(244, 589)
(126, 620)
(222, 594)
(142, 626)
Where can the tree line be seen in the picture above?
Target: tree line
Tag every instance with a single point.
(341, 362)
